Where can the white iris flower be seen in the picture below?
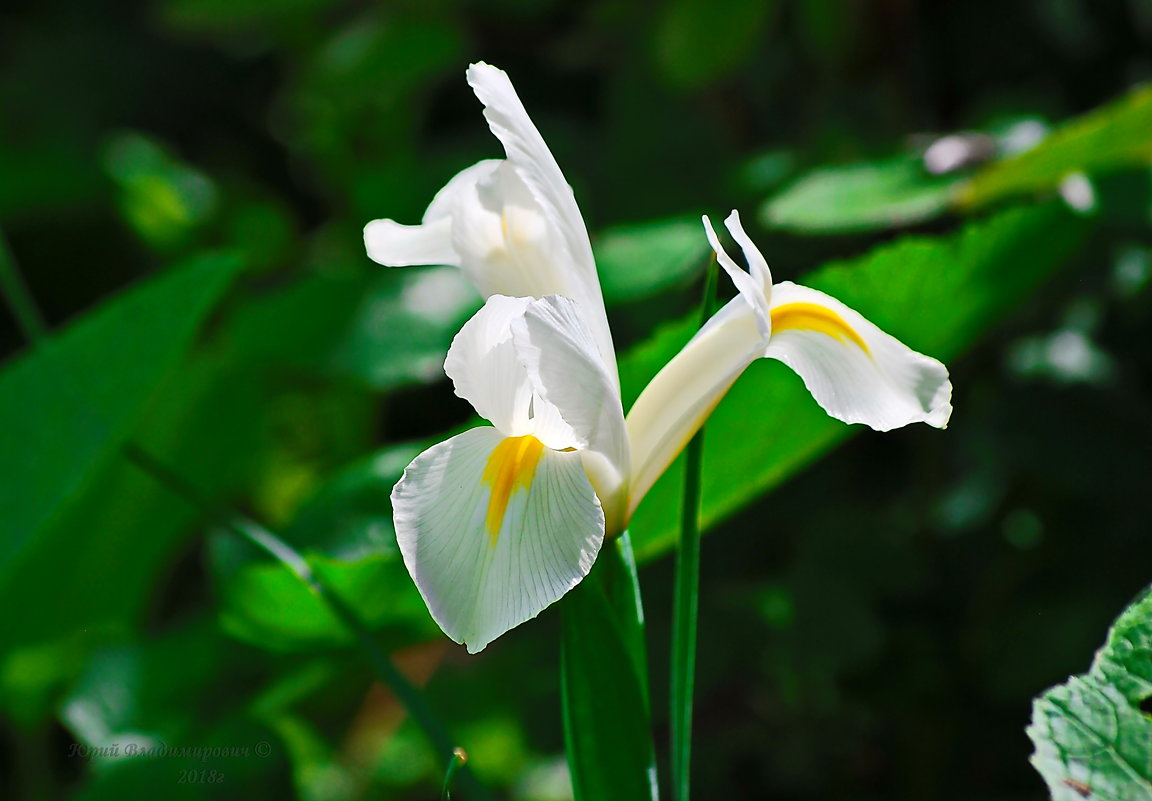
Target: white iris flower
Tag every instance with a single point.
(499, 522)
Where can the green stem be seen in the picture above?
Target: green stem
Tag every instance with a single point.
(459, 757)
(685, 605)
(265, 540)
(16, 292)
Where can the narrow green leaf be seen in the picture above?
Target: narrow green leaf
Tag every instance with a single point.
(345, 531)
(605, 687)
(15, 291)
(1109, 138)
(1093, 734)
(860, 197)
(70, 403)
(685, 604)
(935, 294)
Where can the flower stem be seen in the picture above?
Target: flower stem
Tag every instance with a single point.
(15, 291)
(459, 757)
(685, 605)
(270, 543)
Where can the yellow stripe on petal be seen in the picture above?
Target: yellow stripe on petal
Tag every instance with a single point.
(811, 317)
(510, 468)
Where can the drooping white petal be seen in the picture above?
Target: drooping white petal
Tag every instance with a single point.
(567, 372)
(567, 260)
(493, 530)
(395, 245)
(855, 371)
(754, 293)
(678, 400)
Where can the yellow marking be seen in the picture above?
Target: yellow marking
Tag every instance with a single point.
(810, 317)
(511, 467)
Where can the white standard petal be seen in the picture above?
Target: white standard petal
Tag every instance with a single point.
(486, 370)
(396, 245)
(568, 374)
(755, 288)
(568, 258)
(855, 371)
(493, 530)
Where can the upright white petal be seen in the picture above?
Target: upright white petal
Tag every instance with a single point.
(855, 371)
(485, 369)
(493, 530)
(567, 372)
(568, 257)
(488, 369)
(751, 287)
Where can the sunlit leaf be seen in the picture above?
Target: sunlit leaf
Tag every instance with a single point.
(69, 404)
(1109, 138)
(637, 261)
(346, 533)
(860, 197)
(935, 294)
(1093, 734)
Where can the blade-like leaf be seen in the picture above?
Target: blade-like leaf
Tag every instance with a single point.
(605, 684)
(935, 294)
(1092, 734)
(860, 197)
(68, 404)
(1109, 138)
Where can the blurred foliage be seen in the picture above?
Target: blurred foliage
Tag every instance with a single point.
(183, 187)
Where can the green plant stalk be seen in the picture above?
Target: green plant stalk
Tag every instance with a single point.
(412, 699)
(20, 300)
(459, 757)
(686, 600)
(604, 682)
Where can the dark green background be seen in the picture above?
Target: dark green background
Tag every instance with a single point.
(873, 629)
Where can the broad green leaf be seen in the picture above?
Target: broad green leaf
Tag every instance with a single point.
(346, 532)
(265, 604)
(1093, 734)
(637, 261)
(381, 329)
(935, 294)
(605, 684)
(860, 197)
(1107, 139)
(69, 404)
(698, 41)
